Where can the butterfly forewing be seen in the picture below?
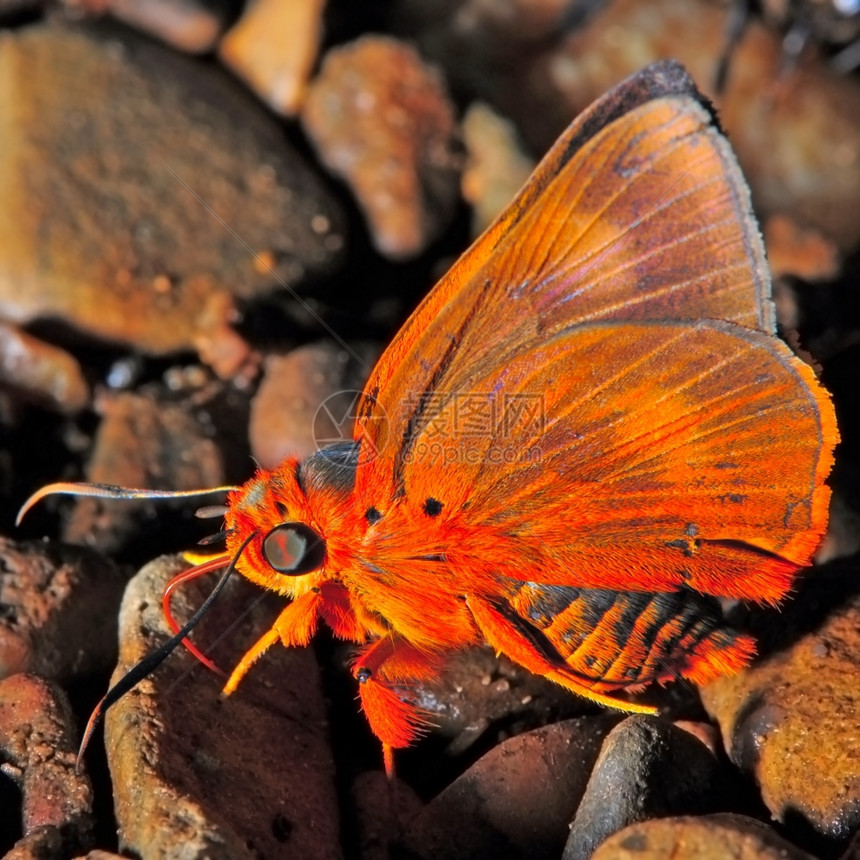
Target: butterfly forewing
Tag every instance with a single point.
(638, 212)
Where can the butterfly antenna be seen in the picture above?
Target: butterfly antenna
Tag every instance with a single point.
(152, 661)
(111, 491)
(186, 576)
(245, 613)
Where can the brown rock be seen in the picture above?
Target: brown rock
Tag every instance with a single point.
(479, 693)
(247, 776)
(43, 373)
(380, 117)
(307, 400)
(38, 750)
(59, 610)
(273, 47)
(187, 25)
(138, 188)
(796, 134)
(381, 807)
(497, 166)
(514, 802)
(221, 347)
(647, 768)
(788, 719)
(804, 253)
(711, 837)
(147, 443)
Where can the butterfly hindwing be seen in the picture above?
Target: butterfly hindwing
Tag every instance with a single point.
(612, 640)
(653, 458)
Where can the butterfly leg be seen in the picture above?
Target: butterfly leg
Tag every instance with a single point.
(531, 650)
(386, 663)
(294, 627)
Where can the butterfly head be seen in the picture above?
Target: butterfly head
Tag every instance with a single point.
(287, 552)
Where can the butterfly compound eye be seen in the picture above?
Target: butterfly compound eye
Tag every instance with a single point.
(294, 549)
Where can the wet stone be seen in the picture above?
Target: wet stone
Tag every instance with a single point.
(38, 749)
(380, 117)
(790, 718)
(147, 442)
(273, 48)
(59, 606)
(496, 167)
(307, 400)
(198, 776)
(647, 768)
(516, 801)
(140, 189)
(188, 25)
(40, 372)
(709, 837)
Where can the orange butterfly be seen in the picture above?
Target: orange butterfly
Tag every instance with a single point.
(585, 435)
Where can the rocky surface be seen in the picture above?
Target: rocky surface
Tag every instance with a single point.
(789, 720)
(198, 775)
(380, 117)
(59, 607)
(647, 769)
(189, 245)
(122, 210)
(37, 744)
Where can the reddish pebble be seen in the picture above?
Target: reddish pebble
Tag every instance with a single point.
(59, 609)
(38, 748)
(307, 400)
(273, 47)
(43, 373)
(380, 117)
